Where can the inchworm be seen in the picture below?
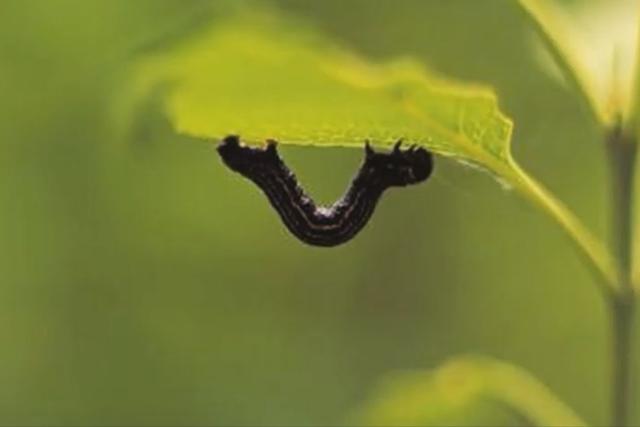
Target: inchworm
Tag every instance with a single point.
(340, 222)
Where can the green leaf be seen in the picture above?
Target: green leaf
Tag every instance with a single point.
(261, 76)
(466, 391)
(594, 44)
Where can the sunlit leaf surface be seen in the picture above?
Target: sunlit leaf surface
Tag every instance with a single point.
(595, 44)
(466, 391)
(254, 78)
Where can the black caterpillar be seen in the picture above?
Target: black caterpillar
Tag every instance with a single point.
(337, 224)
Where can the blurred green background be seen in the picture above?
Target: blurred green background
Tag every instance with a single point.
(143, 283)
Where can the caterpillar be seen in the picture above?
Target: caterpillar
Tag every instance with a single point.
(340, 222)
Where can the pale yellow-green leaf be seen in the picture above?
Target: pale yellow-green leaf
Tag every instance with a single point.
(466, 391)
(262, 76)
(594, 44)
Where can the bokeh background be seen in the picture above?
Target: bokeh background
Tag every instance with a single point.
(141, 283)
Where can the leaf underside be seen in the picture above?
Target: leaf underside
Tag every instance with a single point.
(260, 78)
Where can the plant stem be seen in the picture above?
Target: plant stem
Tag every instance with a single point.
(622, 155)
(622, 318)
(597, 257)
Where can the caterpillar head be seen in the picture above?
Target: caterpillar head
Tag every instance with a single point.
(399, 167)
(242, 158)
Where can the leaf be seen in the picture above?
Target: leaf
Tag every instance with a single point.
(594, 44)
(459, 390)
(260, 76)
